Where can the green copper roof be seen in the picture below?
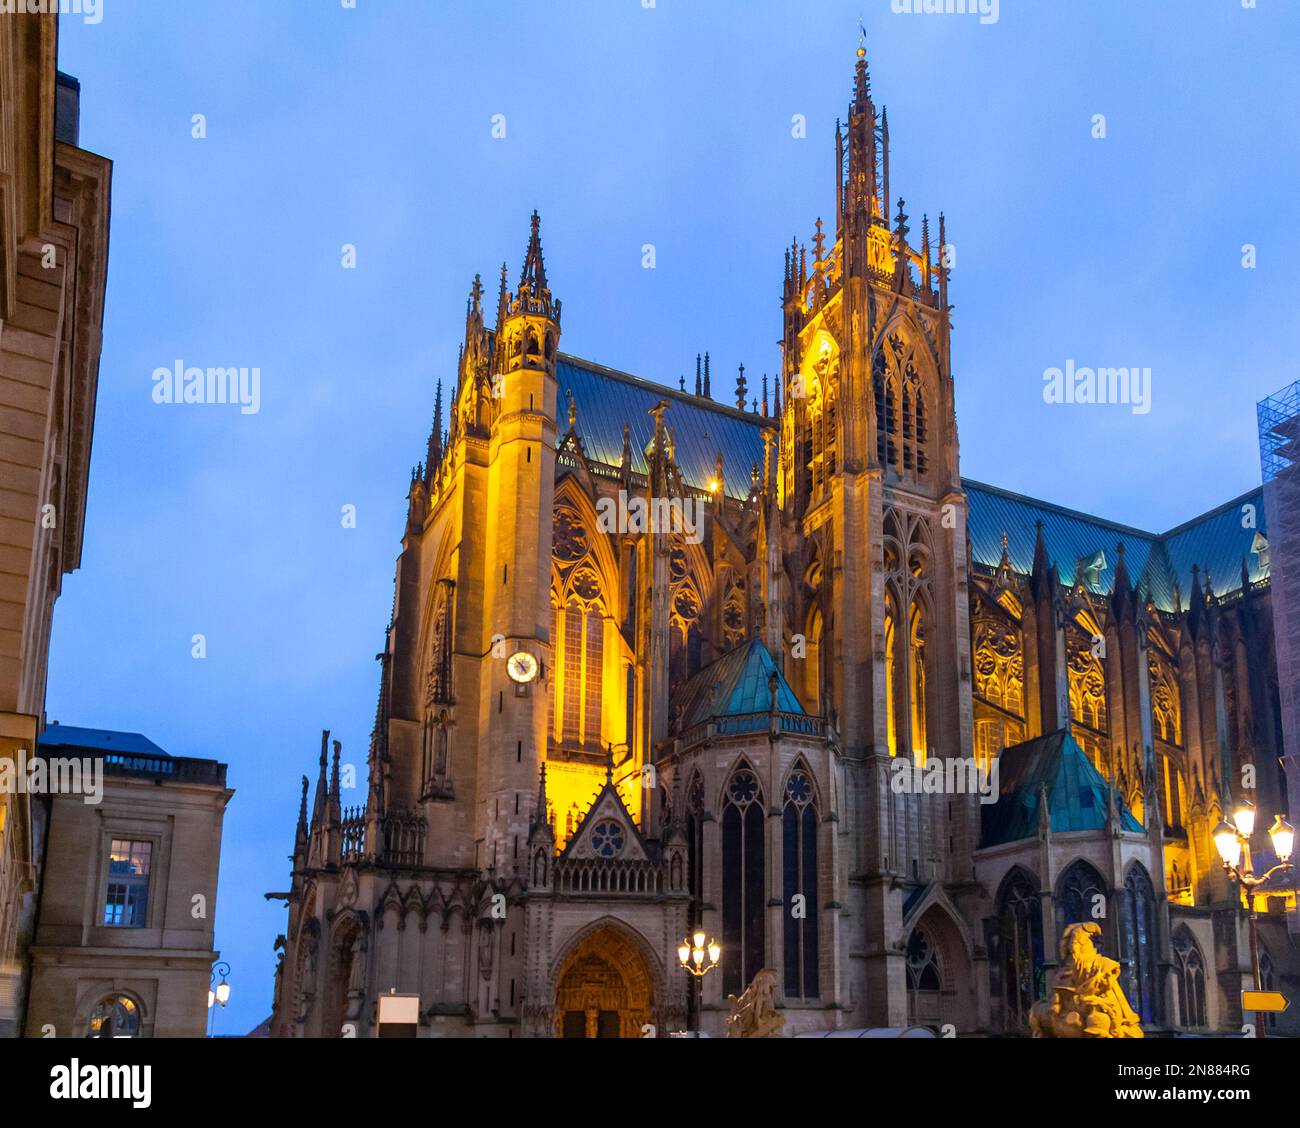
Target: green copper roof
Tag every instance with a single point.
(734, 686)
(1077, 795)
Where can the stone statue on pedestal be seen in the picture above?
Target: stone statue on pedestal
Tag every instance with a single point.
(1087, 1000)
(754, 1014)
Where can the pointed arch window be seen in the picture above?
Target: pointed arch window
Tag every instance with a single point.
(117, 1016)
(577, 695)
(1139, 944)
(799, 880)
(1081, 897)
(902, 428)
(918, 682)
(924, 980)
(695, 846)
(892, 695)
(744, 947)
(1020, 938)
(1166, 698)
(1191, 981)
(1267, 982)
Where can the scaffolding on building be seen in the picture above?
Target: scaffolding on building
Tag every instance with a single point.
(1279, 432)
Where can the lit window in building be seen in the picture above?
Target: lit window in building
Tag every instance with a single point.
(126, 903)
(115, 1017)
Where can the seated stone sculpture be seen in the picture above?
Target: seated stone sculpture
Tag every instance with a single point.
(754, 1014)
(1087, 1000)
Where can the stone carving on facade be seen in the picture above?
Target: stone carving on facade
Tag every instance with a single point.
(1087, 1000)
(754, 1014)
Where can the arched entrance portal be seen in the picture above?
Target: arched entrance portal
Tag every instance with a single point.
(604, 990)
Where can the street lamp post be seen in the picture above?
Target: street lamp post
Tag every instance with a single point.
(1232, 840)
(691, 954)
(217, 992)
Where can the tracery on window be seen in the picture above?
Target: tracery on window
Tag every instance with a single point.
(743, 880)
(1166, 697)
(578, 637)
(999, 660)
(799, 885)
(1191, 980)
(437, 690)
(1087, 674)
(902, 421)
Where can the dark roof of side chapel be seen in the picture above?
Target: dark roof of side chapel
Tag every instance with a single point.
(1077, 795)
(1161, 563)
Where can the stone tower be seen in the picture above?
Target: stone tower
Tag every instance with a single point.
(870, 478)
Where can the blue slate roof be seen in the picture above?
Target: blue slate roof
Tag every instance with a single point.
(735, 686)
(1216, 542)
(101, 740)
(701, 428)
(1077, 795)
(1159, 562)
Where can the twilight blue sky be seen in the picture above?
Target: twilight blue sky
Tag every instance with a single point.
(625, 126)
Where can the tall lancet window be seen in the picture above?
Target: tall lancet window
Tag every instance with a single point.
(908, 649)
(744, 948)
(799, 882)
(919, 686)
(1139, 946)
(578, 635)
(902, 421)
(892, 649)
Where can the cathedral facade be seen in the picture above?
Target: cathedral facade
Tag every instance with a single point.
(775, 672)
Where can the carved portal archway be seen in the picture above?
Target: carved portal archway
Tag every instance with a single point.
(605, 989)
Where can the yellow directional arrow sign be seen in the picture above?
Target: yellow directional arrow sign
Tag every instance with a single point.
(1266, 1001)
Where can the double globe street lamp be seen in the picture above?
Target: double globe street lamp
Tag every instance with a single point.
(1232, 840)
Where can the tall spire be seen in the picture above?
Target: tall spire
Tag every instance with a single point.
(839, 180)
(435, 435)
(502, 300)
(335, 809)
(322, 783)
(707, 393)
(699, 385)
(862, 203)
(742, 389)
(534, 272)
(884, 160)
(302, 814)
(943, 262)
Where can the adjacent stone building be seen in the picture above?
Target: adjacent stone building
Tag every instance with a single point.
(54, 213)
(124, 944)
(776, 671)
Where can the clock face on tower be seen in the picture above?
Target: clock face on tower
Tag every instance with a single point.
(522, 667)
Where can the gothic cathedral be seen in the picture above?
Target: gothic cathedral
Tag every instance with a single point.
(777, 673)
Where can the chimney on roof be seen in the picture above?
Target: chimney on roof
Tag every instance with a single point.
(67, 109)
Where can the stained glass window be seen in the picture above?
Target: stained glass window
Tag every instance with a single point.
(1020, 937)
(743, 866)
(1140, 944)
(799, 877)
